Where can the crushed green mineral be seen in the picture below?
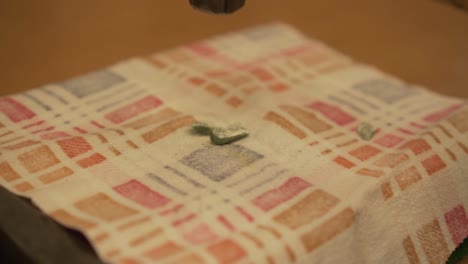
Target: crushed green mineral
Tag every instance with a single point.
(365, 131)
(201, 128)
(221, 135)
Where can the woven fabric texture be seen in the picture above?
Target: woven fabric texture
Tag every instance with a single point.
(111, 154)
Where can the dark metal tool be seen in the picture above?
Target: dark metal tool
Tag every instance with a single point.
(219, 7)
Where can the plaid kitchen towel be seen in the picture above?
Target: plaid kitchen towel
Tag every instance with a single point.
(112, 154)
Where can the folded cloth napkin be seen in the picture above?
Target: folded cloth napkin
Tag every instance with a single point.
(112, 154)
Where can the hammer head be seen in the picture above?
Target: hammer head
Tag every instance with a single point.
(219, 7)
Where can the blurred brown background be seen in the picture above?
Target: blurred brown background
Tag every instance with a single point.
(463, 4)
(421, 41)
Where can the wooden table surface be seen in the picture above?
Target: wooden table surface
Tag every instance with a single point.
(421, 41)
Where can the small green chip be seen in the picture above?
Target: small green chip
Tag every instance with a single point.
(221, 136)
(201, 128)
(366, 131)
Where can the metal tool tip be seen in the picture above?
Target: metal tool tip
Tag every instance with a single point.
(219, 7)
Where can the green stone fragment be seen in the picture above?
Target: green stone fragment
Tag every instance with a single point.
(366, 131)
(221, 136)
(201, 128)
